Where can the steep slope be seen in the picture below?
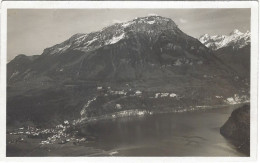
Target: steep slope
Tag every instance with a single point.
(19, 64)
(147, 64)
(132, 47)
(233, 50)
(238, 59)
(237, 128)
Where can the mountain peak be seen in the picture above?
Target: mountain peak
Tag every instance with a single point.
(152, 19)
(236, 39)
(235, 32)
(205, 35)
(114, 33)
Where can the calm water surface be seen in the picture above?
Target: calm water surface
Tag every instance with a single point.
(181, 134)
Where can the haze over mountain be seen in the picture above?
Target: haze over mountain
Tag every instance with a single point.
(143, 66)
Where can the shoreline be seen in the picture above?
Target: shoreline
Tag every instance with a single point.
(90, 145)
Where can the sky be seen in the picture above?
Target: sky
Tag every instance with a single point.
(30, 31)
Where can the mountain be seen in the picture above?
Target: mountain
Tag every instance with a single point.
(143, 66)
(233, 49)
(235, 39)
(19, 64)
(237, 59)
(122, 51)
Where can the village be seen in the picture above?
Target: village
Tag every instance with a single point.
(60, 134)
(65, 132)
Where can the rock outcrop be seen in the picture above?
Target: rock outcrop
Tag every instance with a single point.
(237, 129)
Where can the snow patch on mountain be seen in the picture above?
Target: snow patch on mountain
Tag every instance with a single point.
(109, 35)
(236, 39)
(151, 22)
(115, 39)
(91, 41)
(127, 24)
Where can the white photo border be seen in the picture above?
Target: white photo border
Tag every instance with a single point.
(136, 5)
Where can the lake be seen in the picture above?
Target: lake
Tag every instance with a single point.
(168, 134)
(173, 134)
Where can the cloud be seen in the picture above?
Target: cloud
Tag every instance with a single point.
(183, 21)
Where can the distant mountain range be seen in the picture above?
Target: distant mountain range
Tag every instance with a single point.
(146, 65)
(235, 39)
(233, 49)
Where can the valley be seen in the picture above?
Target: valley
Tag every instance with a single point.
(142, 72)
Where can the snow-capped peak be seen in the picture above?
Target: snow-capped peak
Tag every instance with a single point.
(235, 32)
(112, 34)
(236, 39)
(204, 38)
(150, 19)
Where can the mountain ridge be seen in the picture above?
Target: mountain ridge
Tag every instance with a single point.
(232, 49)
(111, 34)
(139, 40)
(147, 64)
(235, 39)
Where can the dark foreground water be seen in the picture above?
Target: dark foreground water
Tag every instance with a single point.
(182, 134)
(174, 134)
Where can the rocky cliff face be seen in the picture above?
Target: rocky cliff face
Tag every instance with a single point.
(237, 128)
(147, 63)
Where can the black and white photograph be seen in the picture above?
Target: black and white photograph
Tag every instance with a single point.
(129, 82)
